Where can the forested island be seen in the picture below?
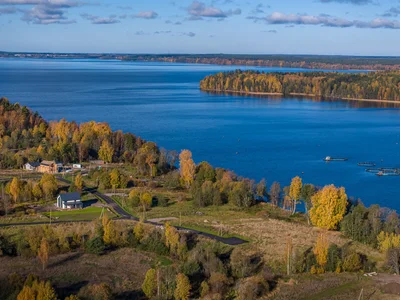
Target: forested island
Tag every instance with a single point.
(328, 62)
(381, 86)
(166, 228)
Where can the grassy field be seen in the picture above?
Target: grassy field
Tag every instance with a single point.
(331, 286)
(85, 214)
(267, 227)
(123, 270)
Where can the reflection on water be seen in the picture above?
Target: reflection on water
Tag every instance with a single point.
(340, 102)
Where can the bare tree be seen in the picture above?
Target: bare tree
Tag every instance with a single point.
(393, 256)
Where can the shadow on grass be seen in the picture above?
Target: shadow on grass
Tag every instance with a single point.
(88, 203)
(137, 295)
(65, 260)
(70, 289)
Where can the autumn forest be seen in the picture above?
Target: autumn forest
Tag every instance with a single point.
(374, 85)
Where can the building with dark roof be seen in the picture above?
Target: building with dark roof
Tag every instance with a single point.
(69, 201)
(31, 166)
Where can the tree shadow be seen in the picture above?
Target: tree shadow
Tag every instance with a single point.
(137, 295)
(65, 260)
(74, 288)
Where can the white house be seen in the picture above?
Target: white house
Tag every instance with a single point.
(31, 166)
(76, 166)
(69, 200)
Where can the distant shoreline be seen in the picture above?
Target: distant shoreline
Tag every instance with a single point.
(311, 62)
(300, 94)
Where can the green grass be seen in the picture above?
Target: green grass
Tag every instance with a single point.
(209, 230)
(85, 214)
(337, 290)
(118, 200)
(162, 261)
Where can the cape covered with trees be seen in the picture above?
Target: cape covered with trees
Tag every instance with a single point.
(373, 86)
(26, 136)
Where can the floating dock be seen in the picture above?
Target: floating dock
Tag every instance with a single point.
(382, 173)
(366, 164)
(329, 158)
(373, 170)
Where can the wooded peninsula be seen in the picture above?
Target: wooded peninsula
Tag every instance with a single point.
(380, 86)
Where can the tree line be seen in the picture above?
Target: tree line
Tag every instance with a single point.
(373, 85)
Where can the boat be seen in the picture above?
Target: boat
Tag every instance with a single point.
(366, 164)
(329, 158)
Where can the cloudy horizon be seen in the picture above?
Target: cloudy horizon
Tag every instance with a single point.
(346, 27)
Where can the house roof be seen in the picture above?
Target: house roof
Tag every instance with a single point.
(47, 162)
(70, 196)
(34, 164)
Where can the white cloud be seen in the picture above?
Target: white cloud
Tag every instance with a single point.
(329, 21)
(112, 19)
(146, 15)
(197, 10)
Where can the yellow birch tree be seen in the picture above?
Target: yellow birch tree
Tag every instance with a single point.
(321, 250)
(295, 191)
(187, 167)
(183, 287)
(329, 207)
(43, 253)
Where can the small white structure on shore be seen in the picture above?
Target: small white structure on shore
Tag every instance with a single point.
(69, 201)
(76, 166)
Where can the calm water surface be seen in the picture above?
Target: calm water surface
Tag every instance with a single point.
(256, 137)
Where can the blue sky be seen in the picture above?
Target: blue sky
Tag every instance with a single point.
(354, 27)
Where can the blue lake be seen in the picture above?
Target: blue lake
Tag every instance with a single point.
(274, 138)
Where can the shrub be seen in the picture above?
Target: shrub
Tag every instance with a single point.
(252, 288)
(172, 180)
(101, 291)
(352, 263)
(162, 201)
(189, 268)
(218, 283)
(154, 243)
(95, 246)
(333, 261)
(244, 264)
(204, 289)
(6, 248)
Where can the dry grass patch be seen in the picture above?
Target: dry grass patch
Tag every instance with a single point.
(123, 269)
